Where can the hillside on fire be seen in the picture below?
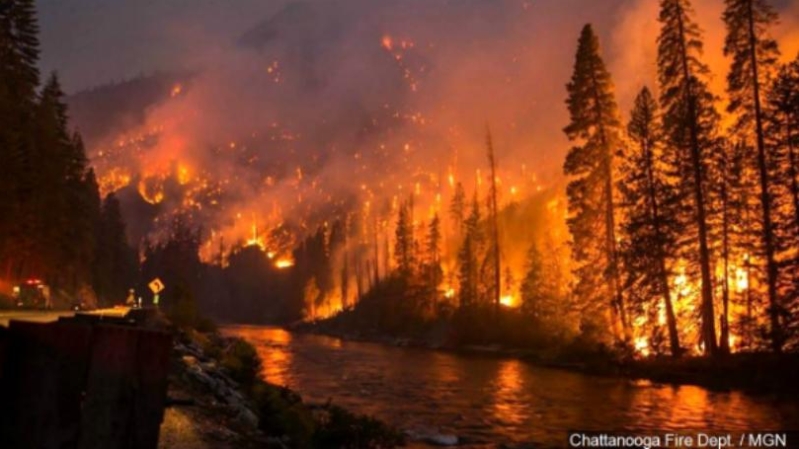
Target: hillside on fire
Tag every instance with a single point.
(381, 160)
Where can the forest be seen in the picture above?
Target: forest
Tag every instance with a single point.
(54, 226)
(674, 231)
(683, 219)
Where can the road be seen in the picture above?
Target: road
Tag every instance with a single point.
(39, 316)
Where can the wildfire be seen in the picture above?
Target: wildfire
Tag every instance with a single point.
(255, 241)
(741, 279)
(284, 263)
(387, 42)
(396, 50)
(642, 346)
(152, 192)
(114, 180)
(183, 175)
(681, 284)
(508, 301)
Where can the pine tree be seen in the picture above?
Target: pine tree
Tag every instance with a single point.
(19, 79)
(541, 297)
(469, 256)
(754, 56)
(433, 253)
(404, 247)
(782, 132)
(649, 226)
(25, 47)
(690, 126)
(493, 209)
(738, 237)
(595, 127)
(115, 265)
(457, 209)
(533, 289)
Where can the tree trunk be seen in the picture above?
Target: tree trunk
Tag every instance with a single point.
(765, 197)
(724, 345)
(494, 225)
(792, 161)
(671, 320)
(708, 318)
(617, 302)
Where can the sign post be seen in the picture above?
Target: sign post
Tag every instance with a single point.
(156, 286)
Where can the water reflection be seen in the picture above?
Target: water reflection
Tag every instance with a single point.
(272, 346)
(490, 400)
(507, 407)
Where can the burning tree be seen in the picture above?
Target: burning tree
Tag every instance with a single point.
(595, 127)
(650, 229)
(691, 130)
(754, 56)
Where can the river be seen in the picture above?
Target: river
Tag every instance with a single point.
(491, 400)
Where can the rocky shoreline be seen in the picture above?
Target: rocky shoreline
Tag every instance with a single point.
(217, 400)
(207, 408)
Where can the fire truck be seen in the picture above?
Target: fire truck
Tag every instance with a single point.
(32, 294)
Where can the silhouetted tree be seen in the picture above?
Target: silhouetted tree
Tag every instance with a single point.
(595, 128)
(782, 138)
(115, 264)
(469, 256)
(457, 209)
(433, 271)
(690, 128)
(650, 226)
(493, 211)
(754, 56)
(404, 247)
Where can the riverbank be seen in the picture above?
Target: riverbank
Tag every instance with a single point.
(217, 400)
(754, 373)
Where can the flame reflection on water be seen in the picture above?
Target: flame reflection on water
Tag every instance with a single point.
(496, 400)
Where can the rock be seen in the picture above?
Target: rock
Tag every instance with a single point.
(197, 373)
(223, 434)
(212, 367)
(230, 382)
(442, 440)
(246, 417)
(233, 398)
(434, 438)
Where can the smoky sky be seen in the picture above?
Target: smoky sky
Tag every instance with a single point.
(352, 80)
(92, 42)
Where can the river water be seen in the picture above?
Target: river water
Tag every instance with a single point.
(490, 400)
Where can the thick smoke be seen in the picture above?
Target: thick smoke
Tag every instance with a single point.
(325, 105)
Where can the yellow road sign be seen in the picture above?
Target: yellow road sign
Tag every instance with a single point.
(156, 285)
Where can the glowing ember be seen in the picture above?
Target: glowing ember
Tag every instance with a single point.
(387, 42)
(642, 346)
(282, 264)
(508, 301)
(183, 175)
(741, 279)
(151, 192)
(255, 239)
